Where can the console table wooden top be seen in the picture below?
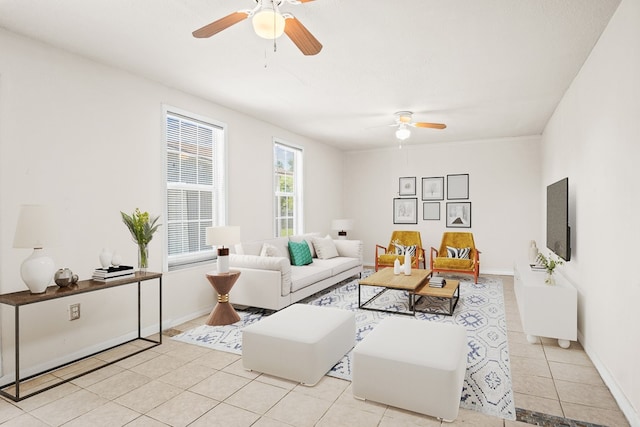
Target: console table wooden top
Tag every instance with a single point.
(83, 286)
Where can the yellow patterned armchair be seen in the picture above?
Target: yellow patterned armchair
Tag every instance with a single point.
(457, 254)
(401, 241)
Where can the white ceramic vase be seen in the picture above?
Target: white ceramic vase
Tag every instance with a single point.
(105, 258)
(396, 266)
(407, 265)
(533, 253)
(116, 259)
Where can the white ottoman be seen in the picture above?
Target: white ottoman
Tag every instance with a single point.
(412, 364)
(300, 343)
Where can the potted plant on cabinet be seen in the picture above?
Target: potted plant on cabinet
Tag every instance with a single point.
(549, 263)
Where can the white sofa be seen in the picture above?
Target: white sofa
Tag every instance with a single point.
(270, 281)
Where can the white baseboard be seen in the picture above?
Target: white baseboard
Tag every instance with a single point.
(189, 317)
(625, 406)
(497, 272)
(50, 364)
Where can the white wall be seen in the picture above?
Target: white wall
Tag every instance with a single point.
(594, 139)
(86, 139)
(504, 191)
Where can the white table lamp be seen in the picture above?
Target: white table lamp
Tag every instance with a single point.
(36, 229)
(221, 237)
(342, 225)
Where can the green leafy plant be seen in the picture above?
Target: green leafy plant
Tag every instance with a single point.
(141, 226)
(549, 263)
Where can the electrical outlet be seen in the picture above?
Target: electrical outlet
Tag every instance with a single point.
(74, 311)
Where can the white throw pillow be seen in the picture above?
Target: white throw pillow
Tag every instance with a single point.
(270, 250)
(325, 247)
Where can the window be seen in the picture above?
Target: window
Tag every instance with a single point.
(288, 189)
(195, 169)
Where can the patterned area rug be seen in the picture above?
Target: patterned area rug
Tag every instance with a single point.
(487, 384)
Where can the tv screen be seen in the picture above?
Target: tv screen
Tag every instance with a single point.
(558, 230)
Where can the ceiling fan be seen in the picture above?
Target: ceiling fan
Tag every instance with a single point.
(403, 121)
(268, 23)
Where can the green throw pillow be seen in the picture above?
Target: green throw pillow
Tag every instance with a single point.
(300, 253)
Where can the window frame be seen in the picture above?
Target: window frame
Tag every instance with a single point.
(298, 193)
(219, 212)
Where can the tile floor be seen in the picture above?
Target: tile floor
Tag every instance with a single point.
(178, 384)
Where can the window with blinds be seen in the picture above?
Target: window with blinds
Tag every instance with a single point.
(195, 187)
(288, 189)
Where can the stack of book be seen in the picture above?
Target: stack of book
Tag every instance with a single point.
(537, 267)
(113, 273)
(437, 282)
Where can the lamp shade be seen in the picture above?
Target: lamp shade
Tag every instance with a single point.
(223, 236)
(268, 23)
(37, 228)
(342, 224)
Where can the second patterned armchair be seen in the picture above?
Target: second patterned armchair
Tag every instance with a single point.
(457, 254)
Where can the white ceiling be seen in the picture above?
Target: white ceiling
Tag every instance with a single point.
(486, 68)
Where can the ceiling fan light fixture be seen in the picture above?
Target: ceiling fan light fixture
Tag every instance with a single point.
(267, 23)
(403, 133)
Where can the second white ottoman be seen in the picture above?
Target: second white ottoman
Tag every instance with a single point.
(301, 342)
(412, 364)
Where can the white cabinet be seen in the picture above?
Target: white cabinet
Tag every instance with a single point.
(545, 310)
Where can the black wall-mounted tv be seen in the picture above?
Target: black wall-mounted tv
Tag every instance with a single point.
(558, 230)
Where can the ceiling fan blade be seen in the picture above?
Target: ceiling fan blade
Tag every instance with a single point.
(429, 125)
(219, 25)
(301, 37)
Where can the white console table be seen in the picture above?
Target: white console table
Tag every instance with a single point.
(546, 310)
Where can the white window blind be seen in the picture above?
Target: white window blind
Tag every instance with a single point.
(195, 187)
(288, 189)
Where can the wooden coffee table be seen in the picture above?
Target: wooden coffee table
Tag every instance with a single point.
(386, 279)
(450, 291)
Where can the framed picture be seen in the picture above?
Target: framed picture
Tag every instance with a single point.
(431, 211)
(433, 188)
(459, 214)
(458, 187)
(407, 186)
(405, 211)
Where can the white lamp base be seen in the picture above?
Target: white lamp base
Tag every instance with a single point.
(223, 264)
(223, 260)
(37, 271)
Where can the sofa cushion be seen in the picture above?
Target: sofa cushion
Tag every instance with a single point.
(349, 248)
(305, 275)
(325, 247)
(269, 250)
(337, 265)
(307, 237)
(300, 253)
(255, 248)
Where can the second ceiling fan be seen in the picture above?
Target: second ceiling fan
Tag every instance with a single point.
(268, 23)
(403, 121)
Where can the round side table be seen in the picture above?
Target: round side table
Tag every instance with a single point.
(223, 313)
